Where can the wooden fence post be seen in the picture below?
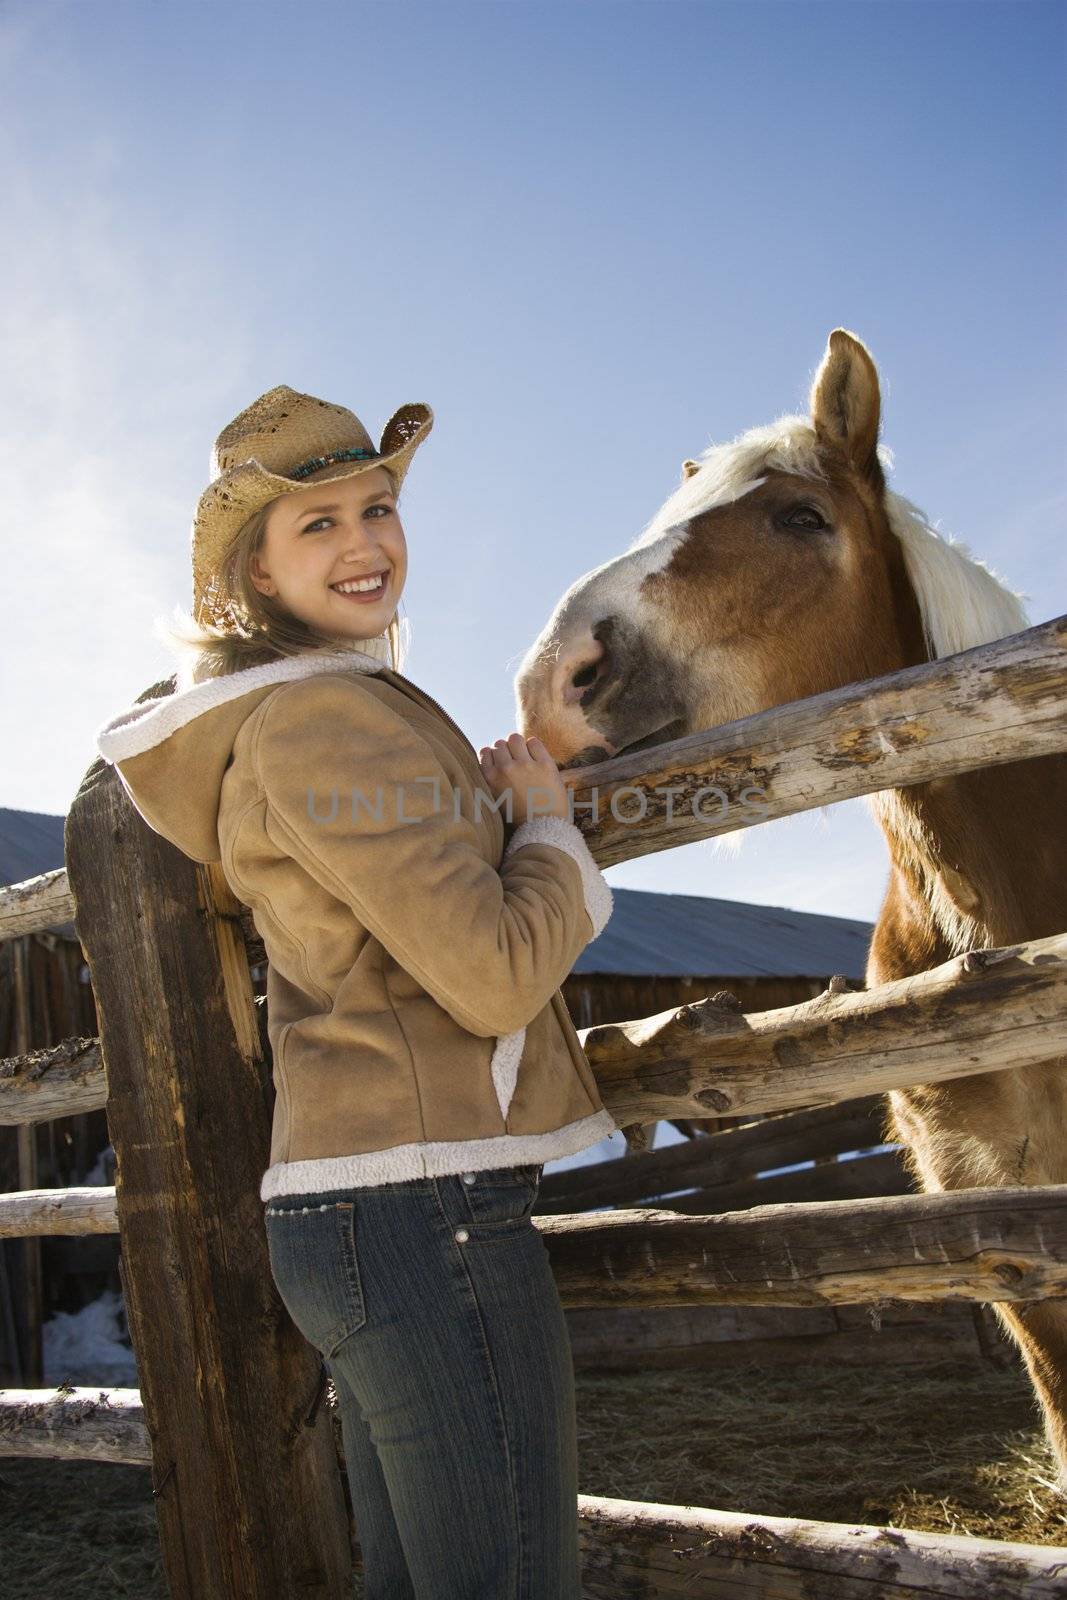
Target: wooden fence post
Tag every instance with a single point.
(249, 1496)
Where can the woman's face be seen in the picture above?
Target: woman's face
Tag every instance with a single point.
(321, 539)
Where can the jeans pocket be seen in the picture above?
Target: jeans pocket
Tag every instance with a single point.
(313, 1262)
(500, 1200)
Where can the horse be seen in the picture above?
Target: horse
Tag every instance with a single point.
(782, 566)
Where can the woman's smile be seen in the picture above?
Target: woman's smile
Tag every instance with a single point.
(363, 596)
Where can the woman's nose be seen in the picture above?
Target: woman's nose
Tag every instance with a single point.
(358, 546)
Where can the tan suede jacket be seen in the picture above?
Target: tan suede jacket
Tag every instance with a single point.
(414, 962)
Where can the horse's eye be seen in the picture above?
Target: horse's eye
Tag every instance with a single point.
(806, 519)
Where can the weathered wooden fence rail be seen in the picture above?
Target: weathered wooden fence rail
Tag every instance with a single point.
(899, 1333)
(36, 905)
(1000, 702)
(719, 1159)
(636, 1548)
(865, 1177)
(248, 1490)
(986, 1011)
(981, 1012)
(63, 1080)
(965, 1244)
(631, 1548)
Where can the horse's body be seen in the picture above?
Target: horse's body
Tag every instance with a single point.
(781, 567)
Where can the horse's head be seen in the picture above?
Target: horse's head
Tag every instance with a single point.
(780, 567)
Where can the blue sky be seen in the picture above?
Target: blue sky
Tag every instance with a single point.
(594, 237)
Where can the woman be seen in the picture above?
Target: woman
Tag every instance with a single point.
(424, 1060)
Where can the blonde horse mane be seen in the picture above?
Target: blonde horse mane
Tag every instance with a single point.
(962, 600)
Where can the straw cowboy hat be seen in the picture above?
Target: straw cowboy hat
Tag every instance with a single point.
(270, 449)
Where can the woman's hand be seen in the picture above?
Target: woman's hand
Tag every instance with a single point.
(525, 767)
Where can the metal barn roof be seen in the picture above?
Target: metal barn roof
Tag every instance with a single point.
(692, 935)
(31, 842)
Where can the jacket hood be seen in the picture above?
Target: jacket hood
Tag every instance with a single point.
(171, 753)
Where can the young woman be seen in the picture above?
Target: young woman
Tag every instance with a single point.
(424, 1060)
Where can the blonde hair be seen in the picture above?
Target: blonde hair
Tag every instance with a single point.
(258, 629)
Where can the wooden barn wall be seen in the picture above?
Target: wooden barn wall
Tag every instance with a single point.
(58, 1004)
(46, 996)
(598, 997)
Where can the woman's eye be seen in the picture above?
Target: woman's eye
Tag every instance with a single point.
(807, 519)
(311, 526)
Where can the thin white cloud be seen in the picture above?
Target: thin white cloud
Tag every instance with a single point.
(108, 350)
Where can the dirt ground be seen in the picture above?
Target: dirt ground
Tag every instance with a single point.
(954, 1450)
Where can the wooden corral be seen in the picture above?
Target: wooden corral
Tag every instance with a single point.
(607, 1338)
(246, 1476)
(45, 996)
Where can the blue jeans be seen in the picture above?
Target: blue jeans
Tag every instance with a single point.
(434, 1306)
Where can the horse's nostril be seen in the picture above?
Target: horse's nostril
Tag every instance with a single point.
(581, 672)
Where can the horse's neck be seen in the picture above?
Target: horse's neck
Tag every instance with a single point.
(981, 857)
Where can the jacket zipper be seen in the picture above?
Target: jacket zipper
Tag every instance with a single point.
(415, 693)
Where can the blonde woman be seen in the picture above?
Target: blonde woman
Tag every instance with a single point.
(420, 903)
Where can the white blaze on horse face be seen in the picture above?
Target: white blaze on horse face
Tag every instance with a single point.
(545, 696)
(701, 492)
(614, 588)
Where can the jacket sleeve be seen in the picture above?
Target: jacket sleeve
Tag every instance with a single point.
(362, 801)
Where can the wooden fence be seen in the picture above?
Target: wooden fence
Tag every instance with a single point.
(246, 1469)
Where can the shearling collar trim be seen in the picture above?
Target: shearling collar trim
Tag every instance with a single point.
(148, 723)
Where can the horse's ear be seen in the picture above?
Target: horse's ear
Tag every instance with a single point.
(846, 404)
(688, 468)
